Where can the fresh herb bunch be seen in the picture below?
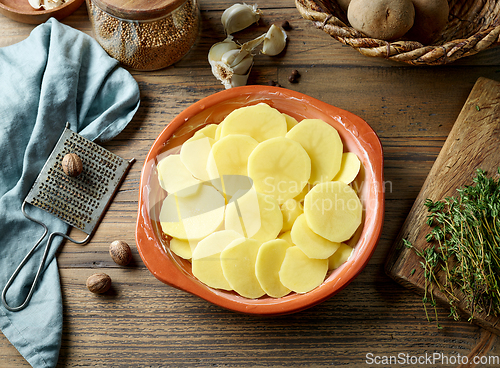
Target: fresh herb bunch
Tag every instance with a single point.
(465, 247)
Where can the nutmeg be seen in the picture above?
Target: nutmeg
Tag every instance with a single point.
(72, 165)
(99, 283)
(120, 252)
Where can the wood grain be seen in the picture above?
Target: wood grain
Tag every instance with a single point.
(144, 323)
(472, 144)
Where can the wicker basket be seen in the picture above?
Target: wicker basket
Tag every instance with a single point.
(474, 25)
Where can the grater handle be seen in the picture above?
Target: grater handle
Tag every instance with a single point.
(40, 267)
(21, 265)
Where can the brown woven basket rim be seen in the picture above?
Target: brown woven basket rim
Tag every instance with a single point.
(410, 52)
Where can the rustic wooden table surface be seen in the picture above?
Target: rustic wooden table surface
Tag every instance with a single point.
(145, 323)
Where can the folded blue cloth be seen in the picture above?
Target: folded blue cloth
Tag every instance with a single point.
(56, 75)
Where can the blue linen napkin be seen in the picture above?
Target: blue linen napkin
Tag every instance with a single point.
(56, 75)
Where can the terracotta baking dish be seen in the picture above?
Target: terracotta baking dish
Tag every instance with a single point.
(358, 137)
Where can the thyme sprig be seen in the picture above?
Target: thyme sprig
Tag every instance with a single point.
(464, 244)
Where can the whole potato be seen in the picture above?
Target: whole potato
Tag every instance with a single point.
(431, 17)
(382, 19)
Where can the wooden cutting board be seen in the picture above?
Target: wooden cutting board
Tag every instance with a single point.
(474, 142)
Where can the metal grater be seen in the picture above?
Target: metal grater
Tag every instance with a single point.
(78, 201)
(82, 201)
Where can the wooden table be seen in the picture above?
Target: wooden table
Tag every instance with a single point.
(145, 323)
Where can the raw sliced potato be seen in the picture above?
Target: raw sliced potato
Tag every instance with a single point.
(238, 265)
(300, 197)
(229, 156)
(206, 261)
(290, 121)
(194, 155)
(174, 177)
(243, 213)
(227, 164)
(323, 145)
(290, 210)
(233, 186)
(279, 167)
(339, 257)
(260, 122)
(208, 131)
(217, 132)
(194, 217)
(267, 267)
(287, 236)
(300, 273)
(354, 239)
(333, 210)
(243, 205)
(313, 245)
(254, 215)
(349, 168)
(182, 248)
(200, 134)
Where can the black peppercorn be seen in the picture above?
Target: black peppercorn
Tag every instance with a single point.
(294, 76)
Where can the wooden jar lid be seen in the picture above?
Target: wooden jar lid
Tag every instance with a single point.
(138, 9)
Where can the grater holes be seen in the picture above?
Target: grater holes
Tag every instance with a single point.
(82, 142)
(78, 201)
(97, 152)
(84, 184)
(97, 177)
(98, 163)
(66, 213)
(71, 196)
(67, 198)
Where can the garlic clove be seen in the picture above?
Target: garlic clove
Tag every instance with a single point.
(239, 16)
(239, 80)
(233, 57)
(252, 44)
(274, 41)
(35, 4)
(220, 48)
(51, 4)
(244, 65)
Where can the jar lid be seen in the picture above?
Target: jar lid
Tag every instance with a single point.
(138, 9)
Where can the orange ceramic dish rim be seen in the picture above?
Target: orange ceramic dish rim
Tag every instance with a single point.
(356, 134)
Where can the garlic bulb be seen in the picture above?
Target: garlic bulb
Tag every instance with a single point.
(51, 4)
(274, 41)
(46, 4)
(239, 16)
(230, 63)
(35, 4)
